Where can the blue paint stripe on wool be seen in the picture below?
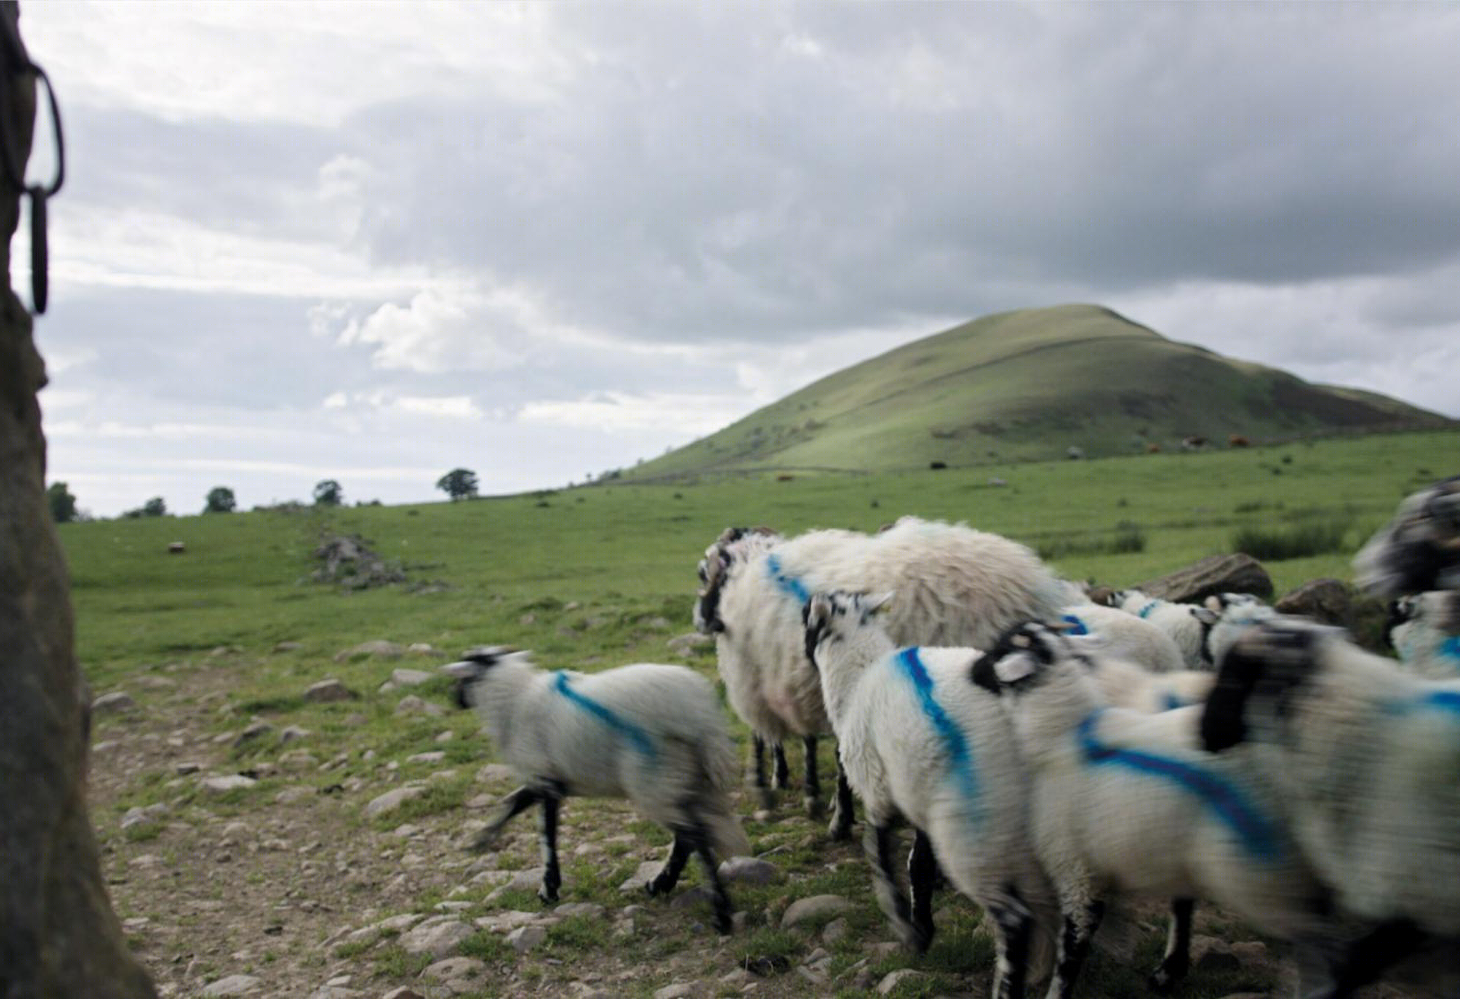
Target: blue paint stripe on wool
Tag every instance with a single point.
(1450, 647)
(636, 735)
(1259, 836)
(787, 584)
(1146, 610)
(1077, 627)
(1444, 700)
(955, 743)
(1172, 702)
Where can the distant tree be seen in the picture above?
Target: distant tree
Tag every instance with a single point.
(328, 493)
(220, 500)
(62, 503)
(154, 507)
(459, 483)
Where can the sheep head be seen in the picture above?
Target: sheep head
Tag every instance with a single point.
(1419, 549)
(1021, 658)
(831, 616)
(714, 569)
(1256, 681)
(472, 667)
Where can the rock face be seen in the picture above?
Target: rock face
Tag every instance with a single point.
(1326, 600)
(1216, 574)
(58, 934)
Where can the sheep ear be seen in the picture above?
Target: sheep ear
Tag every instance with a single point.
(878, 604)
(1205, 615)
(462, 670)
(1012, 669)
(1214, 603)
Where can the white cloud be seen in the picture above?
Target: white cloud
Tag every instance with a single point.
(449, 329)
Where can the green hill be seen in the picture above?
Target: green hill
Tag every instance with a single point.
(1029, 385)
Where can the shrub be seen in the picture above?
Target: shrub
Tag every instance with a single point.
(1297, 540)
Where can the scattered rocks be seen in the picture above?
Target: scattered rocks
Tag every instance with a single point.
(815, 908)
(1325, 600)
(1214, 574)
(413, 705)
(292, 733)
(222, 785)
(188, 767)
(680, 990)
(410, 677)
(253, 733)
(349, 561)
(328, 691)
(634, 883)
(896, 978)
(431, 757)
(436, 939)
(233, 985)
(834, 930)
(298, 759)
(404, 992)
(527, 880)
(391, 800)
(143, 815)
(751, 871)
(525, 938)
(117, 702)
(455, 967)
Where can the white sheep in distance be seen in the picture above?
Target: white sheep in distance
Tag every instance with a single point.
(1128, 802)
(651, 733)
(1424, 629)
(956, 586)
(1193, 626)
(1124, 636)
(1419, 549)
(922, 745)
(1367, 758)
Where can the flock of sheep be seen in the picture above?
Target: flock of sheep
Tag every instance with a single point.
(1050, 754)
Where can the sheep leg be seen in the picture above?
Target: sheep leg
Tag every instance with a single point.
(1012, 929)
(1177, 959)
(781, 774)
(552, 877)
(510, 807)
(880, 841)
(724, 913)
(922, 870)
(1078, 926)
(841, 814)
(757, 773)
(663, 883)
(811, 787)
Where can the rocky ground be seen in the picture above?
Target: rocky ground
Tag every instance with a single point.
(305, 847)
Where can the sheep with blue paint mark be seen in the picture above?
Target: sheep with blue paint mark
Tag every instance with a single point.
(654, 734)
(1123, 636)
(923, 747)
(1125, 684)
(1109, 784)
(1424, 629)
(956, 586)
(1191, 626)
(1366, 756)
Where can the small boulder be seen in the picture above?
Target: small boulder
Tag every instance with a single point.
(1325, 600)
(525, 938)
(437, 939)
(896, 978)
(327, 691)
(117, 702)
(391, 800)
(750, 871)
(379, 649)
(455, 967)
(233, 985)
(814, 908)
(1212, 575)
(413, 705)
(222, 785)
(681, 990)
(410, 677)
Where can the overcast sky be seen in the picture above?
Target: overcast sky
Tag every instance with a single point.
(377, 242)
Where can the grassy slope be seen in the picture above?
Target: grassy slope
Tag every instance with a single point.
(1027, 385)
(631, 550)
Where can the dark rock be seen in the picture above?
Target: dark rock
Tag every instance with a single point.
(1327, 600)
(1215, 574)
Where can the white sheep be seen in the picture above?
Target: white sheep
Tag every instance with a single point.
(955, 585)
(1419, 549)
(1424, 630)
(1367, 758)
(1191, 626)
(1128, 802)
(1126, 684)
(921, 745)
(650, 733)
(1124, 636)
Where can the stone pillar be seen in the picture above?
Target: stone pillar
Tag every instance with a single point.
(58, 934)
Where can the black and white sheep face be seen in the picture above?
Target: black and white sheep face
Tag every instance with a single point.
(831, 617)
(714, 570)
(471, 668)
(1257, 681)
(1021, 659)
(1420, 549)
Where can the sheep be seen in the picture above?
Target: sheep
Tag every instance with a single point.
(1126, 684)
(956, 586)
(1191, 626)
(920, 745)
(1124, 636)
(651, 733)
(1424, 630)
(1124, 801)
(1419, 549)
(1367, 759)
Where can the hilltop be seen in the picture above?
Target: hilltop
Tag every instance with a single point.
(1029, 385)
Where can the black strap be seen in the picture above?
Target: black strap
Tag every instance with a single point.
(17, 61)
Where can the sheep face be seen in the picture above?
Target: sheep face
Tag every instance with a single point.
(1420, 549)
(1257, 681)
(831, 617)
(714, 571)
(471, 668)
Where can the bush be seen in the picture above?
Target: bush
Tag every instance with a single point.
(1297, 540)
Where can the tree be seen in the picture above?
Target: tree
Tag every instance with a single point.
(328, 493)
(62, 503)
(459, 483)
(154, 507)
(220, 500)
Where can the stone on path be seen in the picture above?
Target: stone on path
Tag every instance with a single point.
(233, 985)
(391, 800)
(525, 938)
(379, 648)
(411, 704)
(328, 691)
(410, 677)
(896, 978)
(436, 939)
(751, 871)
(455, 967)
(115, 702)
(1215, 574)
(815, 907)
(222, 785)
(680, 990)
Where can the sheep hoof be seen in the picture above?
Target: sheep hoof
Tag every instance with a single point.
(1163, 979)
(723, 924)
(840, 829)
(548, 897)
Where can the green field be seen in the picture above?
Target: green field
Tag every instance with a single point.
(587, 578)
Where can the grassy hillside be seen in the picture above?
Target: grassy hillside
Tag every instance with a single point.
(1028, 385)
(283, 879)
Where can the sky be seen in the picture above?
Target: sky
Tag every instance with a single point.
(376, 242)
